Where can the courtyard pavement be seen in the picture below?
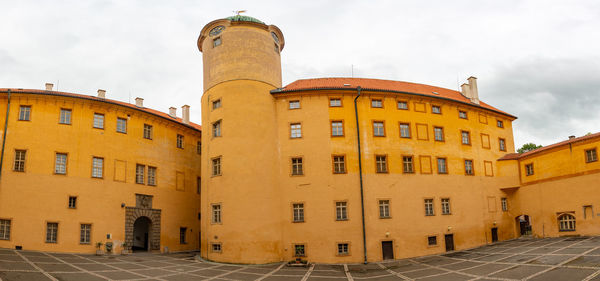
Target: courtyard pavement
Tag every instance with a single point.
(573, 258)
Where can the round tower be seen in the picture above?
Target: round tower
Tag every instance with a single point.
(241, 217)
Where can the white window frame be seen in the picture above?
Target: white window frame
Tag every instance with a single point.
(429, 208)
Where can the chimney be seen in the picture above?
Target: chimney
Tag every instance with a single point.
(49, 86)
(139, 102)
(101, 93)
(185, 115)
(473, 89)
(465, 90)
(173, 111)
(571, 137)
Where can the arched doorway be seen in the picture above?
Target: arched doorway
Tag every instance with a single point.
(524, 225)
(142, 234)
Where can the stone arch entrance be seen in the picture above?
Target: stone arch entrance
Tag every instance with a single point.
(142, 234)
(140, 220)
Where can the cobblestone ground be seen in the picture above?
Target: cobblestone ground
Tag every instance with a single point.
(574, 258)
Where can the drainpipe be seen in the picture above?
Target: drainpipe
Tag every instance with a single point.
(4, 135)
(362, 197)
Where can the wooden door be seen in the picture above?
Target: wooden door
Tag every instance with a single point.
(387, 248)
(449, 238)
(495, 234)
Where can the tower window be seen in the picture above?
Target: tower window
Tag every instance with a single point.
(500, 124)
(276, 48)
(216, 42)
(216, 104)
(216, 128)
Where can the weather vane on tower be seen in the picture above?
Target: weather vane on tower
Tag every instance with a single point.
(239, 12)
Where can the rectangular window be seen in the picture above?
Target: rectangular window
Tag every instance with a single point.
(216, 213)
(405, 130)
(297, 169)
(341, 211)
(65, 116)
(432, 240)
(462, 114)
(198, 185)
(502, 144)
(216, 104)
(591, 155)
(294, 104)
(529, 169)
(295, 130)
(407, 164)
(84, 234)
(442, 166)
(60, 164)
(500, 124)
(51, 232)
(381, 163)
(339, 164)
(217, 42)
(504, 204)
(337, 128)
(378, 129)
(445, 206)
(139, 173)
(4, 229)
(465, 137)
(298, 212)
(216, 166)
(376, 103)
(182, 233)
(199, 147)
(429, 207)
(215, 247)
(335, 102)
(147, 131)
(403, 105)
(438, 133)
(97, 167)
(216, 129)
(384, 209)
(343, 249)
(98, 121)
(72, 202)
(179, 141)
(435, 109)
(122, 125)
(151, 175)
(299, 250)
(19, 164)
(25, 113)
(469, 167)
(276, 47)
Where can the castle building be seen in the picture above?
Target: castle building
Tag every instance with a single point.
(332, 170)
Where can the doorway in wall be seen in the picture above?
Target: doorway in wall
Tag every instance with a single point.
(387, 249)
(449, 239)
(494, 234)
(141, 234)
(524, 224)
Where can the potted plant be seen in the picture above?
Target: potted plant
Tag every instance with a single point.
(298, 262)
(125, 250)
(99, 248)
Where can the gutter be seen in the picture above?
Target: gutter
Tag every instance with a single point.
(362, 197)
(4, 135)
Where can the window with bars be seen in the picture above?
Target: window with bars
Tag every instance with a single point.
(51, 232)
(65, 116)
(216, 213)
(429, 207)
(182, 235)
(297, 168)
(199, 147)
(72, 202)
(337, 128)
(216, 129)
(504, 204)
(381, 163)
(122, 125)
(298, 210)
(462, 114)
(216, 247)
(465, 137)
(591, 155)
(341, 211)
(98, 121)
(179, 141)
(529, 169)
(151, 175)
(139, 173)
(405, 130)
(60, 164)
(432, 240)
(216, 104)
(97, 167)
(216, 166)
(442, 166)
(343, 249)
(469, 167)
(378, 129)
(5, 229)
(446, 206)
(339, 164)
(566, 222)
(147, 131)
(438, 133)
(408, 164)
(25, 113)
(19, 163)
(377, 103)
(295, 130)
(299, 250)
(335, 102)
(294, 104)
(403, 105)
(85, 233)
(435, 109)
(384, 209)
(502, 144)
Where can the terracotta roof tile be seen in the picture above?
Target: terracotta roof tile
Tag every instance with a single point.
(514, 156)
(132, 106)
(384, 85)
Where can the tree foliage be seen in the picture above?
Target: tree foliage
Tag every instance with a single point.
(528, 147)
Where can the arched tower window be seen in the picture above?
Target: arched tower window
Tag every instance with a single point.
(566, 222)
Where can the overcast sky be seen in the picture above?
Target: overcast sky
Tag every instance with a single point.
(538, 60)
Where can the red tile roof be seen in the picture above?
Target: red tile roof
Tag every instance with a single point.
(383, 85)
(514, 156)
(128, 105)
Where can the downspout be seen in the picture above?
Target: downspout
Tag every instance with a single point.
(362, 197)
(4, 135)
